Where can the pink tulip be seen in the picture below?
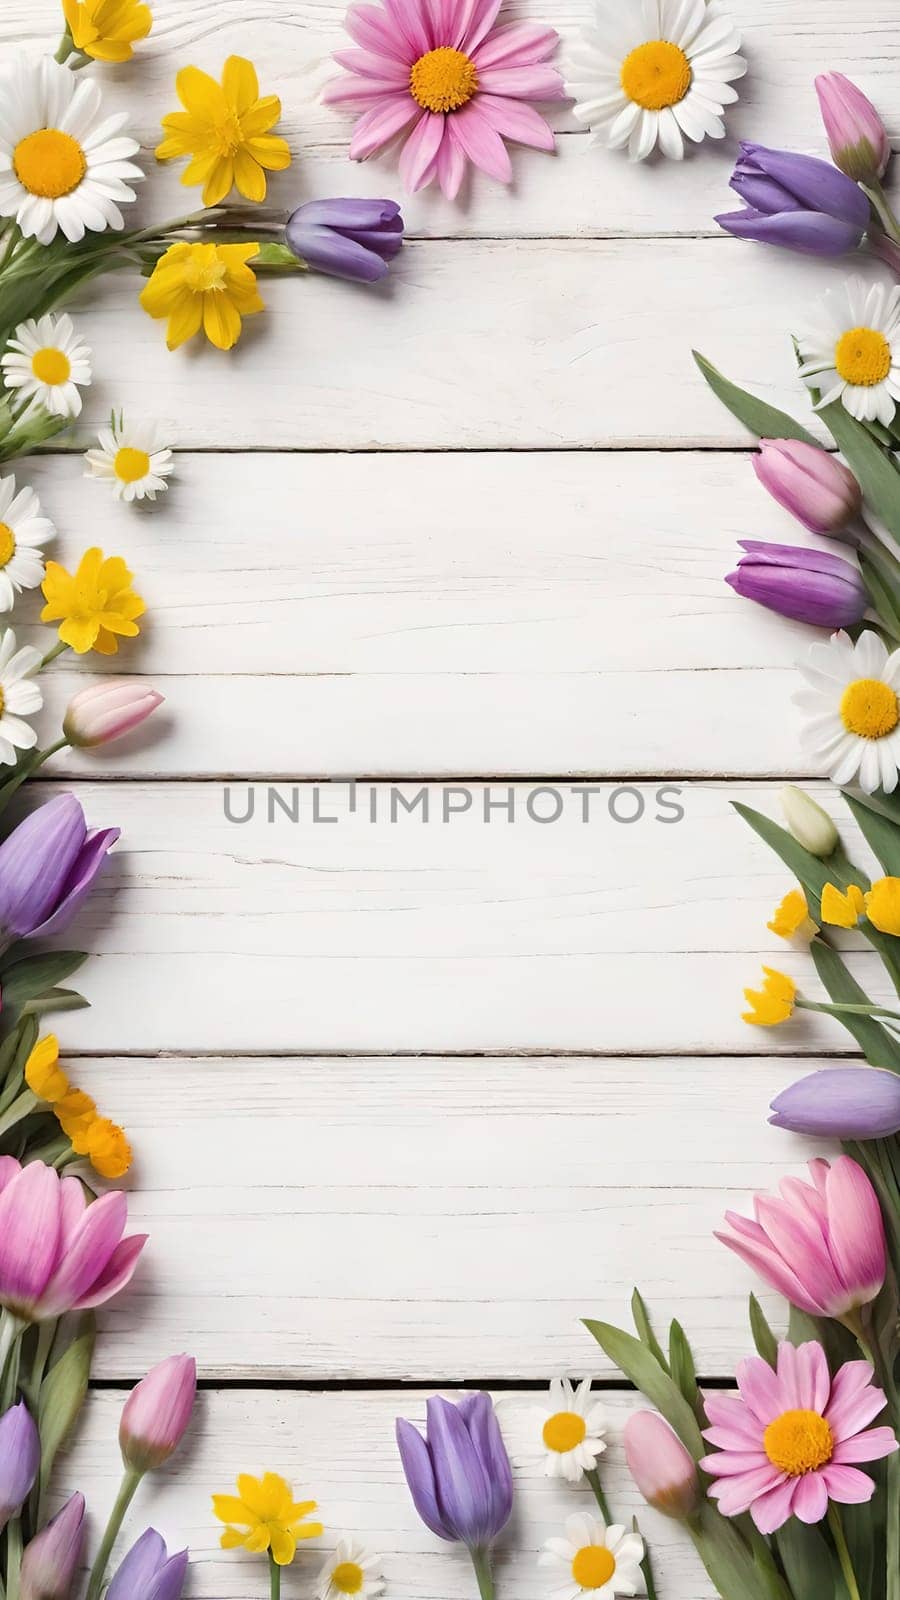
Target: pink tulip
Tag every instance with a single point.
(821, 1245)
(856, 133)
(52, 1558)
(660, 1465)
(106, 711)
(157, 1413)
(57, 1253)
(812, 485)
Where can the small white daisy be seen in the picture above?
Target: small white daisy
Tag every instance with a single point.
(63, 164)
(854, 710)
(654, 72)
(46, 363)
(18, 697)
(572, 1425)
(22, 532)
(351, 1570)
(133, 458)
(594, 1560)
(854, 356)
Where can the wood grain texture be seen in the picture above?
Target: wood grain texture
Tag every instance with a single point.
(340, 1449)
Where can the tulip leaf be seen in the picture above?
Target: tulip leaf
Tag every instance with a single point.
(879, 1046)
(875, 470)
(56, 1000)
(32, 976)
(763, 420)
(645, 1328)
(810, 1567)
(681, 1364)
(728, 1561)
(635, 1360)
(881, 835)
(763, 1337)
(62, 1396)
(878, 582)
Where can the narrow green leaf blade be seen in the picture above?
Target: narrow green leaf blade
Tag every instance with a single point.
(32, 976)
(879, 1046)
(62, 1396)
(645, 1329)
(882, 835)
(765, 421)
(632, 1358)
(763, 1337)
(811, 1568)
(681, 1364)
(874, 468)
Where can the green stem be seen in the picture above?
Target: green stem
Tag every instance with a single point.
(882, 205)
(837, 1530)
(274, 1578)
(117, 1517)
(593, 1478)
(481, 1561)
(65, 48)
(854, 1010)
(892, 1553)
(52, 654)
(11, 1330)
(13, 1557)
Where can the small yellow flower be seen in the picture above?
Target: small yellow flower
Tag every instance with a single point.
(91, 1135)
(107, 29)
(883, 905)
(208, 285)
(772, 1004)
(842, 910)
(106, 1147)
(266, 1516)
(94, 604)
(225, 128)
(43, 1073)
(791, 919)
(75, 1113)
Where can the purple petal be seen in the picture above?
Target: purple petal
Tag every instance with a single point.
(140, 1567)
(806, 231)
(80, 880)
(350, 214)
(462, 1484)
(765, 553)
(762, 194)
(35, 861)
(480, 1418)
(327, 251)
(817, 184)
(170, 1581)
(842, 1103)
(20, 1457)
(416, 1460)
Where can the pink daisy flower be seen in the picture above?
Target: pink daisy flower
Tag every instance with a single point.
(440, 69)
(791, 1441)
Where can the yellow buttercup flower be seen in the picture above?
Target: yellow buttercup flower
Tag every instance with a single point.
(101, 1141)
(772, 1004)
(107, 29)
(265, 1516)
(43, 1073)
(791, 919)
(883, 905)
(94, 605)
(225, 129)
(208, 285)
(842, 910)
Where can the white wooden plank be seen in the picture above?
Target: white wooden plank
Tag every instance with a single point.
(561, 613)
(582, 192)
(340, 1448)
(461, 935)
(324, 1219)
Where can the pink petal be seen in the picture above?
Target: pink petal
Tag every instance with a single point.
(29, 1234)
(119, 1271)
(730, 1462)
(360, 93)
(760, 1389)
(872, 1445)
(382, 123)
(419, 154)
(847, 1485)
(378, 68)
(476, 19)
(810, 1503)
(804, 1377)
(765, 1260)
(734, 1496)
(855, 1401)
(371, 28)
(451, 166)
(484, 147)
(515, 120)
(856, 1228)
(407, 18)
(72, 1206)
(801, 1245)
(803, 1197)
(524, 83)
(87, 1254)
(772, 1510)
(730, 1415)
(9, 1167)
(516, 44)
(732, 1439)
(818, 1171)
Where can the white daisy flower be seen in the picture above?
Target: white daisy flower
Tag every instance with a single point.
(594, 1560)
(854, 711)
(133, 458)
(22, 532)
(351, 1570)
(572, 1426)
(46, 363)
(654, 72)
(18, 697)
(63, 164)
(854, 356)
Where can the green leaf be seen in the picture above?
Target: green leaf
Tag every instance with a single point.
(811, 1569)
(881, 835)
(763, 1337)
(645, 1372)
(645, 1329)
(765, 421)
(31, 977)
(681, 1364)
(62, 1396)
(56, 1000)
(875, 470)
(879, 1046)
(728, 1561)
(881, 584)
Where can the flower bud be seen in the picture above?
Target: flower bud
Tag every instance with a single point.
(157, 1413)
(54, 1555)
(20, 1457)
(856, 133)
(810, 483)
(106, 711)
(841, 1103)
(810, 825)
(660, 1465)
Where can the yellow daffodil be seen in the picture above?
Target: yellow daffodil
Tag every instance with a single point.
(883, 905)
(225, 129)
(101, 1141)
(94, 605)
(208, 285)
(842, 910)
(791, 919)
(43, 1073)
(107, 29)
(265, 1516)
(106, 1147)
(772, 1004)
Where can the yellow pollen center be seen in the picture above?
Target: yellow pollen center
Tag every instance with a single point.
(49, 163)
(204, 277)
(348, 1577)
(2, 702)
(51, 366)
(443, 80)
(7, 544)
(869, 708)
(798, 1442)
(656, 75)
(564, 1431)
(593, 1566)
(130, 465)
(229, 134)
(863, 357)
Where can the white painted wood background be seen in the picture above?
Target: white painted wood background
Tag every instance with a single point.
(409, 1099)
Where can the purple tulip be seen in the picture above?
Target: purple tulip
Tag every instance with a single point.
(807, 585)
(47, 867)
(796, 201)
(812, 485)
(841, 1103)
(856, 133)
(459, 1475)
(53, 1556)
(347, 238)
(20, 1457)
(149, 1572)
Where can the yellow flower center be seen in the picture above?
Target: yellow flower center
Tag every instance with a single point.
(564, 1431)
(229, 135)
(656, 74)
(443, 80)
(51, 366)
(869, 708)
(863, 357)
(348, 1577)
(2, 702)
(204, 276)
(49, 163)
(130, 465)
(798, 1442)
(7, 544)
(593, 1566)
